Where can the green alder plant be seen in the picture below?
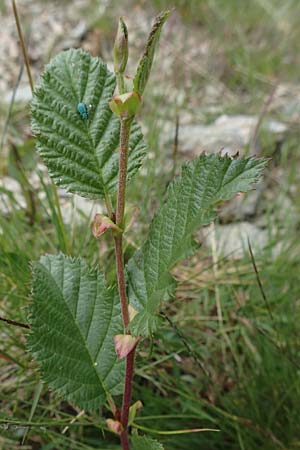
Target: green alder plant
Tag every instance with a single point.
(84, 331)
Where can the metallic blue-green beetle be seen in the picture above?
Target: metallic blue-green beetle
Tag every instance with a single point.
(83, 111)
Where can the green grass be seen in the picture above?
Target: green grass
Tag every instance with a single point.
(252, 391)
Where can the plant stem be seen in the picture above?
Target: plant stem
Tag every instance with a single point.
(128, 387)
(22, 42)
(121, 83)
(121, 279)
(13, 322)
(124, 148)
(127, 399)
(124, 441)
(124, 142)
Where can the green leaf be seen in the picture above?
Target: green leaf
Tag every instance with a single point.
(145, 443)
(191, 204)
(81, 154)
(73, 319)
(145, 64)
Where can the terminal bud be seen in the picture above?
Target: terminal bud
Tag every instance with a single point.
(121, 47)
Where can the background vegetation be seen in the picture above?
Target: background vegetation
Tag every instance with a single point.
(228, 354)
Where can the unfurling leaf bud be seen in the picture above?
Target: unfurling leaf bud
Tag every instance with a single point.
(145, 64)
(126, 104)
(121, 47)
(124, 343)
(102, 223)
(115, 426)
(133, 410)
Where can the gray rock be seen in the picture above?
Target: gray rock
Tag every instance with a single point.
(78, 209)
(232, 240)
(23, 94)
(287, 101)
(73, 208)
(228, 133)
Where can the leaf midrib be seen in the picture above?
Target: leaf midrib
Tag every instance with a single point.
(49, 274)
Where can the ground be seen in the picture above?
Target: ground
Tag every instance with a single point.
(227, 78)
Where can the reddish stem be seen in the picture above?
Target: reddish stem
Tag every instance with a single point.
(121, 279)
(118, 238)
(124, 144)
(124, 440)
(127, 398)
(124, 148)
(127, 387)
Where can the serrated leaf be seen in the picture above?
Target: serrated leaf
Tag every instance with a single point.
(145, 64)
(145, 443)
(81, 154)
(73, 319)
(191, 204)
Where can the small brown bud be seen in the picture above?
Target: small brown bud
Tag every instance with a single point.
(115, 426)
(124, 343)
(101, 224)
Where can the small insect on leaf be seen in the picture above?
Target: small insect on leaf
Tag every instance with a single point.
(83, 111)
